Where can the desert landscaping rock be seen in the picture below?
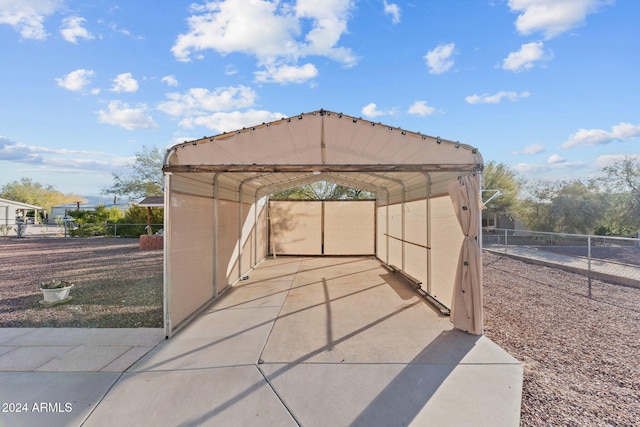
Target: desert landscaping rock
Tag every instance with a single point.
(115, 284)
(581, 351)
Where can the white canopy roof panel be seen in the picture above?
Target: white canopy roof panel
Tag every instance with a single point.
(324, 145)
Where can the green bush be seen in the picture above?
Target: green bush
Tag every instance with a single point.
(94, 223)
(138, 215)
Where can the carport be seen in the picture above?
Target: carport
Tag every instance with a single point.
(219, 224)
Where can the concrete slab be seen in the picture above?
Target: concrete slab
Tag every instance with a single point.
(8, 334)
(84, 336)
(127, 359)
(85, 359)
(227, 337)
(237, 396)
(26, 359)
(399, 394)
(276, 269)
(6, 349)
(316, 341)
(612, 271)
(51, 398)
(362, 314)
(249, 294)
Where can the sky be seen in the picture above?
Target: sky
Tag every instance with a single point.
(550, 88)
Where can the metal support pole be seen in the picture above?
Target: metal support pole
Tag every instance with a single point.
(255, 229)
(215, 235)
(168, 240)
(387, 225)
(428, 230)
(403, 230)
(240, 232)
(589, 262)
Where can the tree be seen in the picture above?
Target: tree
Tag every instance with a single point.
(576, 208)
(94, 222)
(34, 193)
(138, 215)
(622, 182)
(322, 190)
(498, 176)
(563, 206)
(536, 205)
(144, 179)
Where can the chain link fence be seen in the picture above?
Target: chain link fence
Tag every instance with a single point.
(73, 229)
(603, 257)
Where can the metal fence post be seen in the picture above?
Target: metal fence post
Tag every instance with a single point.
(589, 262)
(505, 241)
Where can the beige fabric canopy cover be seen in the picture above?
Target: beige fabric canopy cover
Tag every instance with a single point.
(223, 180)
(466, 309)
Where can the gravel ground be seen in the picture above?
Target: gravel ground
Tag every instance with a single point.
(581, 354)
(115, 284)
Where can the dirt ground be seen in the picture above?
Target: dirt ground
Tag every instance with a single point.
(581, 354)
(115, 284)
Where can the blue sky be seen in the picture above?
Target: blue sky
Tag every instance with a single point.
(549, 87)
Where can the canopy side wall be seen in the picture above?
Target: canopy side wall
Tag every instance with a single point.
(446, 241)
(344, 220)
(296, 227)
(415, 247)
(200, 259)
(189, 250)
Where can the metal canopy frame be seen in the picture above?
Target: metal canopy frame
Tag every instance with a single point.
(221, 173)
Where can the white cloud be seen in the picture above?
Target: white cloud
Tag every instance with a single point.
(555, 159)
(393, 10)
(124, 83)
(593, 137)
(496, 98)
(229, 121)
(124, 31)
(421, 108)
(526, 57)
(200, 101)
(439, 59)
(230, 26)
(28, 17)
(287, 74)
(273, 32)
(532, 149)
(121, 114)
(230, 70)
(76, 81)
(554, 163)
(72, 29)
(170, 80)
(371, 111)
(609, 159)
(19, 152)
(552, 17)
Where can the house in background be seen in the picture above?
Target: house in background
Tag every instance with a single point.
(492, 222)
(12, 212)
